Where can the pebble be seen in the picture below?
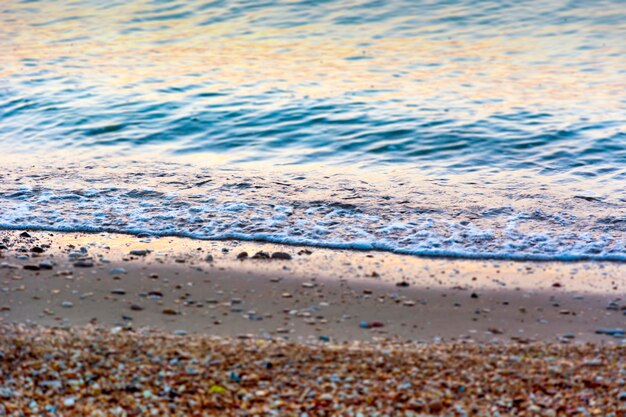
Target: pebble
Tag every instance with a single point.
(309, 284)
(46, 264)
(67, 304)
(169, 312)
(208, 258)
(611, 332)
(118, 291)
(281, 255)
(139, 252)
(32, 267)
(84, 263)
(69, 402)
(117, 271)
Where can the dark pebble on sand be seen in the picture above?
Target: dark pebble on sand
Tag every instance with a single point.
(118, 291)
(611, 332)
(136, 307)
(3, 246)
(25, 234)
(261, 255)
(242, 255)
(37, 249)
(402, 284)
(474, 295)
(209, 258)
(170, 312)
(32, 267)
(281, 255)
(84, 263)
(139, 252)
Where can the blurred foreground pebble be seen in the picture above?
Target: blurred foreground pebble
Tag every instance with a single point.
(99, 372)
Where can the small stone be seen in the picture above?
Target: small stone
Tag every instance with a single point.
(611, 332)
(364, 325)
(136, 307)
(242, 255)
(408, 303)
(261, 255)
(169, 312)
(32, 267)
(474, 295)
(37, 249)
(46, 264)
(208, 258)
(117, 271)
(309, 284)
(286, 295)
(324, 338)
(281, 255)
(84, 263)
(69, 402)
(25, 234)
(402, 284)
(118, 291)
(139, 252)
(67, 304)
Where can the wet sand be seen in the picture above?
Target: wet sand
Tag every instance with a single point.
(79, 279)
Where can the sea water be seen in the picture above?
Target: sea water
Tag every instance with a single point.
(455, 128)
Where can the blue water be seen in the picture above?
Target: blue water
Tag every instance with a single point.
(460, 128)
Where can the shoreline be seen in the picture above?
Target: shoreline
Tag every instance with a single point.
(112, 280)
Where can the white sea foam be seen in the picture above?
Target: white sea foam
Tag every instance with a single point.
(346, 214)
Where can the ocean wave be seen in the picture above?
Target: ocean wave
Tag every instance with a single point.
(342, 211)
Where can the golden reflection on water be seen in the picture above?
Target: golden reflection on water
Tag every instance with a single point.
(496, 72)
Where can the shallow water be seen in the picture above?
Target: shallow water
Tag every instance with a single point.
(434, 127)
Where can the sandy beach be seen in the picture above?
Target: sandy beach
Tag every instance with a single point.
(552, 333)
(230, 289)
